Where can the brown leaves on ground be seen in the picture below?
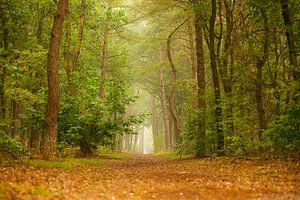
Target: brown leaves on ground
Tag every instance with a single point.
(152, 177)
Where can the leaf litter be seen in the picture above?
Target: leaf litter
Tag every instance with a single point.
(154, 177)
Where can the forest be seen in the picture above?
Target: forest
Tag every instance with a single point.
(197, 84)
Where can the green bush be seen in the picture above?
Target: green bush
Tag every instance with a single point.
(284, 133)
(12, 146)
(86, 122)
(192, 143)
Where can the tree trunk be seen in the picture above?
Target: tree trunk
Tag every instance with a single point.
(17, 110)
(142, 138)
(259, 77)
(154, 123)
(67, 46)
(164, 110)
(290, 38)
(201, 104)
(135, 144)
(104, 56)
(4, 45)
(216, 83)
(80, 35)
(35, 137)
(130, 143)
(35, 132)
(192, 56)
(174, 87)
(86, 147)
(50, 134)
(225, 74)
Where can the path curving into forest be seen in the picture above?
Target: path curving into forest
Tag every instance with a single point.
(154, 177)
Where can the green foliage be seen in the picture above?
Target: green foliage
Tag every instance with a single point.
(284, 133)
(65, 163)
(90, 122)
(12, 146)
(192, 141)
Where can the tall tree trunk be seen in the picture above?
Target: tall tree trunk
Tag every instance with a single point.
(216, 83)
(142, 139)
(225, 74)
(174, 87)
(290, 38)
(201, 104)
(259, 76)
(192, 50)
(164, 110)
(17, 110)
(35, 136)
(4, 45)
(154, 123)
(50, 134)
(104, 55)
(80, 35)
(274, 79)
(35, 131)
(130, 143)
(67, 46)
(135, 144)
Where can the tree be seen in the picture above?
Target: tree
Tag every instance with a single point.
(104, 52)
(215, 77)
(4, 54)
(290, 37)
(51, 114)
(164, 110)
(174, 87)
(200, 72)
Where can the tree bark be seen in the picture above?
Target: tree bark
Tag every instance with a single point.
(201, 104)
(164, 110)
(290, 38)
(17, 110)
(154, 123)
(80, 35)
(192, 56)
(225, 74)
(174, 87)
(104, 55)
(4, 45)
(216, 83)
(67, 46)
(259, 76)
(51, 115)
(35, 132)
(35, 137)
(142, 138)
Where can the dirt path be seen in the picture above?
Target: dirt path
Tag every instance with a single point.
(152, 177)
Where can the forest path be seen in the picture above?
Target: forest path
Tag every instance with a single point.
(154, 177)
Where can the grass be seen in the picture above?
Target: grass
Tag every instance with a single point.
(106, 152)
(117, 155)
(170, 155)
(41, 191)
(67, 163)
(3, 188)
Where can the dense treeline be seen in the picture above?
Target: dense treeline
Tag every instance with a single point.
(218, 76)
(230, 72)
(69, 109)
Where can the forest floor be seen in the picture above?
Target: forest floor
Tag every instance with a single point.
(151, 177)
